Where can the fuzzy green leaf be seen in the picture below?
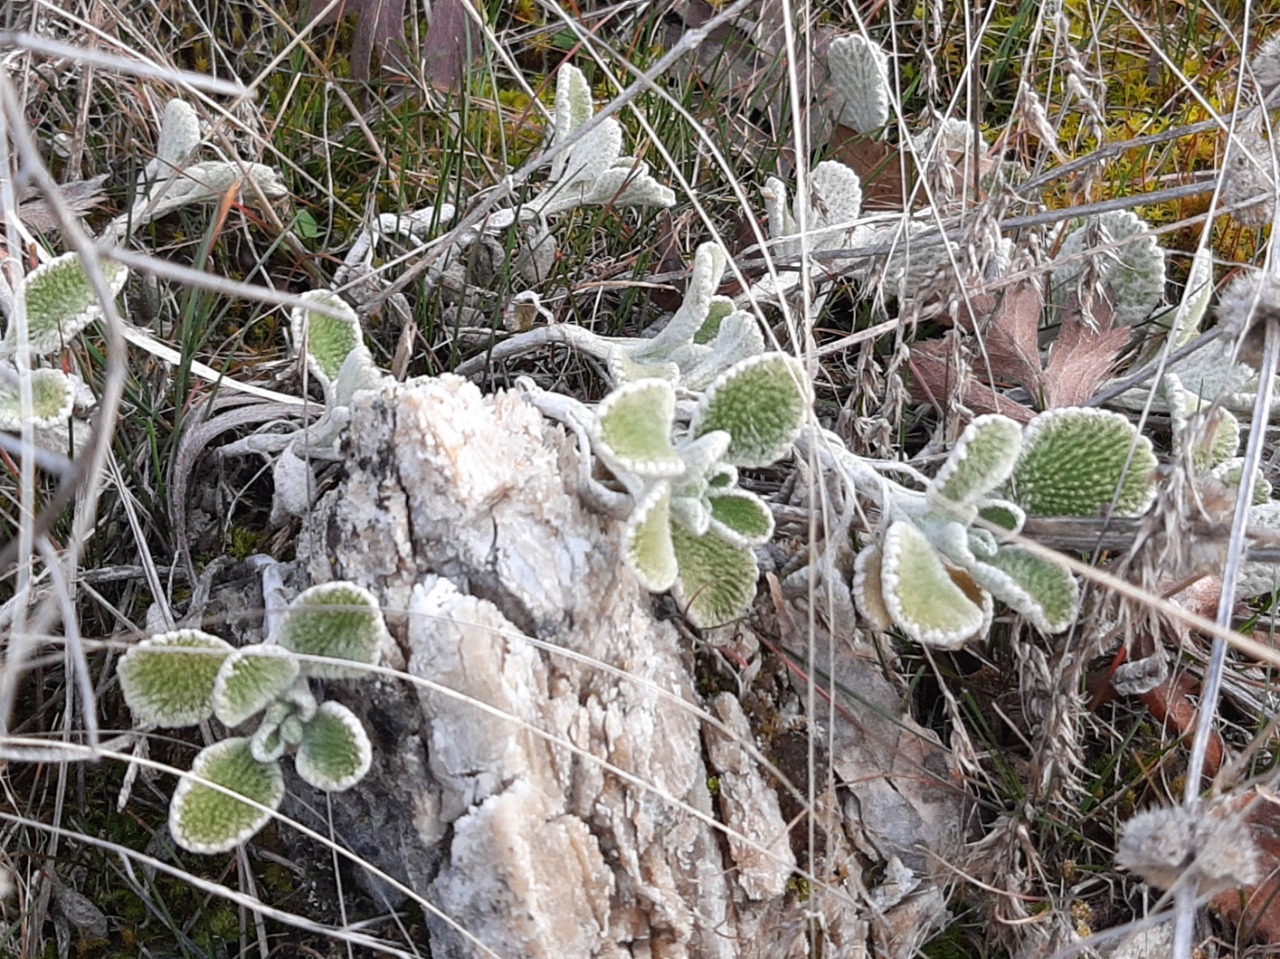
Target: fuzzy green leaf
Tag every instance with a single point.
(1129, 261)
(761, 403)
(1074, 461)
(741, 517)
(859, 74)
(999, 512)
(624, 368)
(835, 202)
(1231, 472)
(1041, 590)
(340, 621)
(717, 580)
(251, 679)
(708, 266)
(647, 540)
(334, 752)
(923, 596)
(573, 109)
(266, 745)
(629, 183)
(61, 302)
(328, 340)
(632, 431)
(53, 396)
(204, 820)
(738, 338)
(982, 460)
(169, 679)
(717, 310)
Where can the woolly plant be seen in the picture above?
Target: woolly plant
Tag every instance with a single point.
(860, 77)
(593, 171)
(690, 527)
(1117, 249)
(59, 301)
(171, 182)
(941, 557)
(187, 676)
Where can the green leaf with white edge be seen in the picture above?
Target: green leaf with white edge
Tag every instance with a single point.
(291, 730)
(573, 109)
(266, 745)
(693, 513)
(1231, 472)
(923, 596)
(1129, 260)
(717, 310)
(1210, 439)
(761, 403)
(339, 621)
(646, 540)
(702, 456)
(250, 679)
(982, 460)
(625, 368)
(205, 820)
(981, 543)
(1009, 517)
(632, 430)
(168, 680)
(722, 476)
(717, 580)
(739, 339)
(741, 517)
(859, 76)
(334, 752)
(328, 340)
(868, 588)
(1075, 461)
(60, 302)
(298, 700)
(708, 266)
(1041, 590)
(53, 397)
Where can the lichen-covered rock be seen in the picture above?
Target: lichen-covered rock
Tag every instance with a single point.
(552, 789)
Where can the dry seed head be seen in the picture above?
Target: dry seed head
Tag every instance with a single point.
(1266, 66)
(1212, 851)
(1245, 306)
(1249, 171)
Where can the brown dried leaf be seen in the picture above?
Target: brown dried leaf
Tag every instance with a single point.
(1011, 336)
(879, 166)
(1256, 909)
(80, 196)
(1081, 357)
(935, 379)
(450, 44)
(380, 27)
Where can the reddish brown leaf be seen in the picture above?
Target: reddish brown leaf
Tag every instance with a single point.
(450, 44)
(380, 27)
(935, 379)
(1255, 910)
(878, 165)
(1170, 704)
(1082, 357)
(1011, 336)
